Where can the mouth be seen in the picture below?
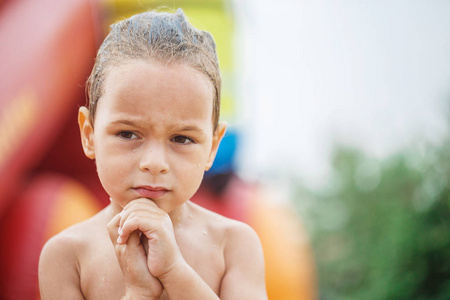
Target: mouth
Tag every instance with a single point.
(151, 192)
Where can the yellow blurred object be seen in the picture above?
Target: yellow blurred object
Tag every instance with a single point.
(210, 15)
(16, 121)
(73, 204)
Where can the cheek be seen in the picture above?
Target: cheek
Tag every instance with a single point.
(189, 169)
(105, 175)
(192, 160)
(113, 185)
(108, 167)
(199, 170)
(102, 162)
(191, 172)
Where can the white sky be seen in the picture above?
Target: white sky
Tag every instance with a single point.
(374, 74)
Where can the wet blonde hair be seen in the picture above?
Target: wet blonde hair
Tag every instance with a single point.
(160, 36)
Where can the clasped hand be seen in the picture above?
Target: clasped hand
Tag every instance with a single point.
(145, 246)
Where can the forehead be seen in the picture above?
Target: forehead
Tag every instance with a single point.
(149, 89)
(129, 75)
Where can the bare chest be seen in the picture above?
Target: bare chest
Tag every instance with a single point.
(101, 276)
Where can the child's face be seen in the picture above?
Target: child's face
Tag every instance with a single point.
(153, 133)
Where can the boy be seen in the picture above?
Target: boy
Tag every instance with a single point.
(152, 128)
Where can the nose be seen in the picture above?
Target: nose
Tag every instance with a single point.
(154, 158)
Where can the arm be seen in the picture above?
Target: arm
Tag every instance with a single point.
(244, 259)
(244, 277)
(58, 270)
(182, 282)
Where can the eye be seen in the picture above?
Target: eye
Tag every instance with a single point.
(127, 135)
(181, 139)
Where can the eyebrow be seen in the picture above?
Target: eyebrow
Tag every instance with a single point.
(127, 122)
(141, 124)
(191, 128)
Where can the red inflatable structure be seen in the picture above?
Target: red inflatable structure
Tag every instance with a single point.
(46, 50)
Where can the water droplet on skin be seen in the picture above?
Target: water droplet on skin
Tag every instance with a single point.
(104, 279)
(204, 233)
(128, 269)
(190, 216)
(214, 245)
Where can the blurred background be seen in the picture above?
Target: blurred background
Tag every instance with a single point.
(337, 152)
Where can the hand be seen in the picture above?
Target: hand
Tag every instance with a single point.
(139, 282)
(145, 216)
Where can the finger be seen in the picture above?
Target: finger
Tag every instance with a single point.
(141, 204)
(113, 227)
(140, 215)
(134, 240)
(131, 252)
(145, 201)
(135, 221)
(144, 242)
(148, 222)
(132, 259)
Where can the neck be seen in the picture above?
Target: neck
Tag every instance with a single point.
(179, 214)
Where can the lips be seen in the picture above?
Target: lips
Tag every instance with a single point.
(151, 192)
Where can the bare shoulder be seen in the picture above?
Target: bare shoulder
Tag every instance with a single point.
(231, 230)
(59, 262)
(244, 260)
(73, 239)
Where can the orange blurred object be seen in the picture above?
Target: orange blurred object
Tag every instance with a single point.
(289, 261)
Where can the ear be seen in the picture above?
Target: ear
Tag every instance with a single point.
(217, 137)
(86, 132)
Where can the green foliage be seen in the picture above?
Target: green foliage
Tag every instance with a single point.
(381, 229)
